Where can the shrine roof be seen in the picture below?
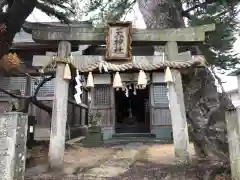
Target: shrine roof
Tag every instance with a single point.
(24, 41)
(22, 37)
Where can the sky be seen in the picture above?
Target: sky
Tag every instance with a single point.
(230, 82)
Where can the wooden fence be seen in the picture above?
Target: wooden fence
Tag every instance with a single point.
(77, 116)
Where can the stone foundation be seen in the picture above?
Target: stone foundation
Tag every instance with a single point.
(108, 132)
(162, 132)
(13, 136)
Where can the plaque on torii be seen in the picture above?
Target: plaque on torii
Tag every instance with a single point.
(118, 41)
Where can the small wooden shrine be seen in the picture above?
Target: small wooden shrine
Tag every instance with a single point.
(132, 93)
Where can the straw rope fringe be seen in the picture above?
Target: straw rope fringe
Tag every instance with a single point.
(97, 63)
(143, 66)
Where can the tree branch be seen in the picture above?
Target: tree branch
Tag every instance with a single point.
(186, 12)
(13, 19)
(52, 12)
(13, 95)
(2, 4)
(42, 83)
(33, 99)
(40, 105)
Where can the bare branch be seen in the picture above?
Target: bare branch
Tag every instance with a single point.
(42, 83)
(40, 105)
(2, 4)
(13, 20)
(13, 95)
(203, 4)
(33, 99)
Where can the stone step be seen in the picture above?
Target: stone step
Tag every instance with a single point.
(134, 135)
(137, 140)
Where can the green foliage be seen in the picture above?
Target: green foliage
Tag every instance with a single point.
(61, 9)
(101, 11)
(218, 47)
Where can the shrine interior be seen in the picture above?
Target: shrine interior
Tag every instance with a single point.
(132, 111)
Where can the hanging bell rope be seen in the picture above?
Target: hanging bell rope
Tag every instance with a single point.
(168, 76)
(90, 80)
(117, 81)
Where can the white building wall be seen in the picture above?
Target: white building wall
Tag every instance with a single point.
(234, 96)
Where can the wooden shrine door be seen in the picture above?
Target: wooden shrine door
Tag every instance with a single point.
(102, 102)
(159, 109)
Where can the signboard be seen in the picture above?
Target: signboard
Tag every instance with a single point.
(118, 41)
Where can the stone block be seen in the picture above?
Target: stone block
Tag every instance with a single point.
(13, 138)
(94, 129)
(94, 137)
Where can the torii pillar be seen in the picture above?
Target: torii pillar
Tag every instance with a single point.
(177, 109)
(59, 113)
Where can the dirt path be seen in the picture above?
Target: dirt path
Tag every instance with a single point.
(136, 161)
(116, 164)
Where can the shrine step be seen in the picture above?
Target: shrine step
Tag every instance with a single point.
(134, 135)
(126, 140)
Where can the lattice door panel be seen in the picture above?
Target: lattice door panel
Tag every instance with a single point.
(102, 95)
(102, 104)
(160, 110)
(160, 95)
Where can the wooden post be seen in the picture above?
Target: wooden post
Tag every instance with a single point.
(83, 114)
(233, 132)
(59, 115)
(177, 109)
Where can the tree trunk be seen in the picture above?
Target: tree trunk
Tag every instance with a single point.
(204, 105)
(12, 21)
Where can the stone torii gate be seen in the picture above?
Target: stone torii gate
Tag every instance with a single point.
(45, 33)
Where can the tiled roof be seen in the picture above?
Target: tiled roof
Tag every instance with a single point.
(22, 37)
